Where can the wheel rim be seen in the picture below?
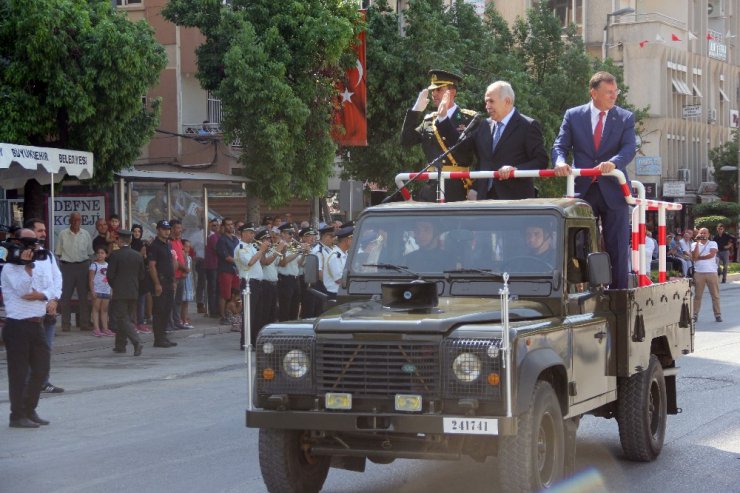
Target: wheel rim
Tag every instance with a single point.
(305, 446)
(654, 409)
(546, 449)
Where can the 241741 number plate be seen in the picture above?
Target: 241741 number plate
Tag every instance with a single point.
(470, 426)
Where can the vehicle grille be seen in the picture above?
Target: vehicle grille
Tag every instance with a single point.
(452, 348)
(378, 369)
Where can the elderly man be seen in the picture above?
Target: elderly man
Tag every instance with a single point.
(74, 250)
(28, 297)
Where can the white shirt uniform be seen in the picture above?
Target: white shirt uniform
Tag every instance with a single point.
(291, 268)
(334, 270)
(270, 272)
(323, 252)
(16, 282)
(243, 254)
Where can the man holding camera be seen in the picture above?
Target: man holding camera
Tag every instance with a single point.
(28, 296)
(703, 253)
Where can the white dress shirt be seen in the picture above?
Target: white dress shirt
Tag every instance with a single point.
(243, 254)
(17, 282)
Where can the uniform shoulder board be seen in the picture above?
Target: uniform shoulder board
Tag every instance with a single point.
(468, 112)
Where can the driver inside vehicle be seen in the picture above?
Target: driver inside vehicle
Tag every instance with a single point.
(539, 251)
(428, 255)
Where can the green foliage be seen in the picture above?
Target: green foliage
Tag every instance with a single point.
(726, 155)
(274, 65)
(711, 222)
(73, 73)
(718, 208)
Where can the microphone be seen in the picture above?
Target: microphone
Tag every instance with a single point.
(471, 126)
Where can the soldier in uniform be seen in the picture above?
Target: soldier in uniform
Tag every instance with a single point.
(420, 128)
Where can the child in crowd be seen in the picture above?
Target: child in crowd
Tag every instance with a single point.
(234, 311)
(188, 293)
(114, 224)
(101, 291)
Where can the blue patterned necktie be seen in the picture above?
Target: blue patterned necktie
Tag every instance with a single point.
(498, 128)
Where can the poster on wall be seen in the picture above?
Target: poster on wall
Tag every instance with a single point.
(91, 207)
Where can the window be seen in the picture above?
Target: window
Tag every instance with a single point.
(214, 109)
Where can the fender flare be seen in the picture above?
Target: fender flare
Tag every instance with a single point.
(530, 369)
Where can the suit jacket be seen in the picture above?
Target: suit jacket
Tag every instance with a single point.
(125, 272)
(419, 129)
(521, 145)
(618, 145)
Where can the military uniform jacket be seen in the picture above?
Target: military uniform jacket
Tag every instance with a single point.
(421, 129)
(125, 272)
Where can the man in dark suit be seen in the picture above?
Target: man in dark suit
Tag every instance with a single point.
(509, 141)
(601, 135)
(419, 128)
(125, 272)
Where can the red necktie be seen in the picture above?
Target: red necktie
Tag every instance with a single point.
(597, 131)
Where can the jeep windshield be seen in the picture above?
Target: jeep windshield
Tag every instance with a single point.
(524, 245)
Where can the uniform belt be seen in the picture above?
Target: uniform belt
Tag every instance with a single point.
(34, 320)
(288, 276)
(455, 168)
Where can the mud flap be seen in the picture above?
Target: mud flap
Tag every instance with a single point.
(570, 429)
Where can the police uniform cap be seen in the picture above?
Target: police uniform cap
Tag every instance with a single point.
(326, 229)
(164, 224)
(441, 78)
(247, 227)
(307, 232)
(345, 232)
(261, 234)
(285, 227)
(347, 224)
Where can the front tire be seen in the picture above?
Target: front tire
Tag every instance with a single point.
(534, 459)
(287, 464)
(642, 413)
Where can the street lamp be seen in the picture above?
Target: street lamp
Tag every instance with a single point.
(616, 13)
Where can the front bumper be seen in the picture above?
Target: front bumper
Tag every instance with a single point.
(366, 422)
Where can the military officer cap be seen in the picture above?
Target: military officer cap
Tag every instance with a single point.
(345, 232)
(347, 224)
(262, 234)
(441, 78)
(307, 232)
(285, 227)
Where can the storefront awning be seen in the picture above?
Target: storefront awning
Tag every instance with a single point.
(19, 163)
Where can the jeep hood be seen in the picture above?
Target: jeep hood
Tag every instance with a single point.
(371, 316)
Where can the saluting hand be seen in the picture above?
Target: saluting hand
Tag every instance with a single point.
(444, 105)
(422, 101)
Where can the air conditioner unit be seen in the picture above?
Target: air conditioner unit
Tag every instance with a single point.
(712, 115)
(684, 174)
(707, 174)
(714, 9)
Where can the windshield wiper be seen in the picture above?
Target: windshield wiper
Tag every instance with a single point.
(397, 268)
(485, 272)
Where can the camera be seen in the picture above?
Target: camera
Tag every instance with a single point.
(11, 251)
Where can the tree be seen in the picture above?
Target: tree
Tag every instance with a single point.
(726, 155)
(274, 65)
(72, 75)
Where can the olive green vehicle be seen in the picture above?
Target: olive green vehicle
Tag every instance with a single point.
(458, 333)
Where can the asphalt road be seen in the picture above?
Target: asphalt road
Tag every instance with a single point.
(173, 420)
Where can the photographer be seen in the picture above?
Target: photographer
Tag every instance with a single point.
(28, 296)
(703, 253)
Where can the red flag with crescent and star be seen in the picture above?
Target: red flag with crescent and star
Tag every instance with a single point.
(350, 113)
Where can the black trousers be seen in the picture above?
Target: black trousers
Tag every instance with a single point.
(255, 316)
(212, 291)
(161, 310)
(269, 302)
(29, 359)
(121, 311)
(289, 296)
(75, 276)
(200, 280)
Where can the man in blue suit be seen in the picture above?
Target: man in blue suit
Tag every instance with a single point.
(601, 135)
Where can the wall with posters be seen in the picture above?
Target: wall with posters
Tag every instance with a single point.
(91, 206)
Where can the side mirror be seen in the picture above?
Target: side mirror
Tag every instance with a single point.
(311, 269)
(599, 269)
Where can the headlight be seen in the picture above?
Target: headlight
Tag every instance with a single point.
(466, 367)
(295, 363)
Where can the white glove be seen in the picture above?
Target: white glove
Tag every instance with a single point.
(422, 101)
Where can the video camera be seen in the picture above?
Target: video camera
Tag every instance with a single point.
(11, 250)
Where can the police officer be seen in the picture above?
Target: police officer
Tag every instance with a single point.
(247, 258)
(289, 287)
(420, 128)
(336, 262)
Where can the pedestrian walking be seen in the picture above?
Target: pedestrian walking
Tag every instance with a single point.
(125, 272)
(724, 243)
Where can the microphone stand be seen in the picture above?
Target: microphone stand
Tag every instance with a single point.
(437, 163)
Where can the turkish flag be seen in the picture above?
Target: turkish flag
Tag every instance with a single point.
(351, 105)
(675, 38)
(709, 36)
(643, 43)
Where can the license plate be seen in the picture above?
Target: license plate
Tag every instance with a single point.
(471, 426)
